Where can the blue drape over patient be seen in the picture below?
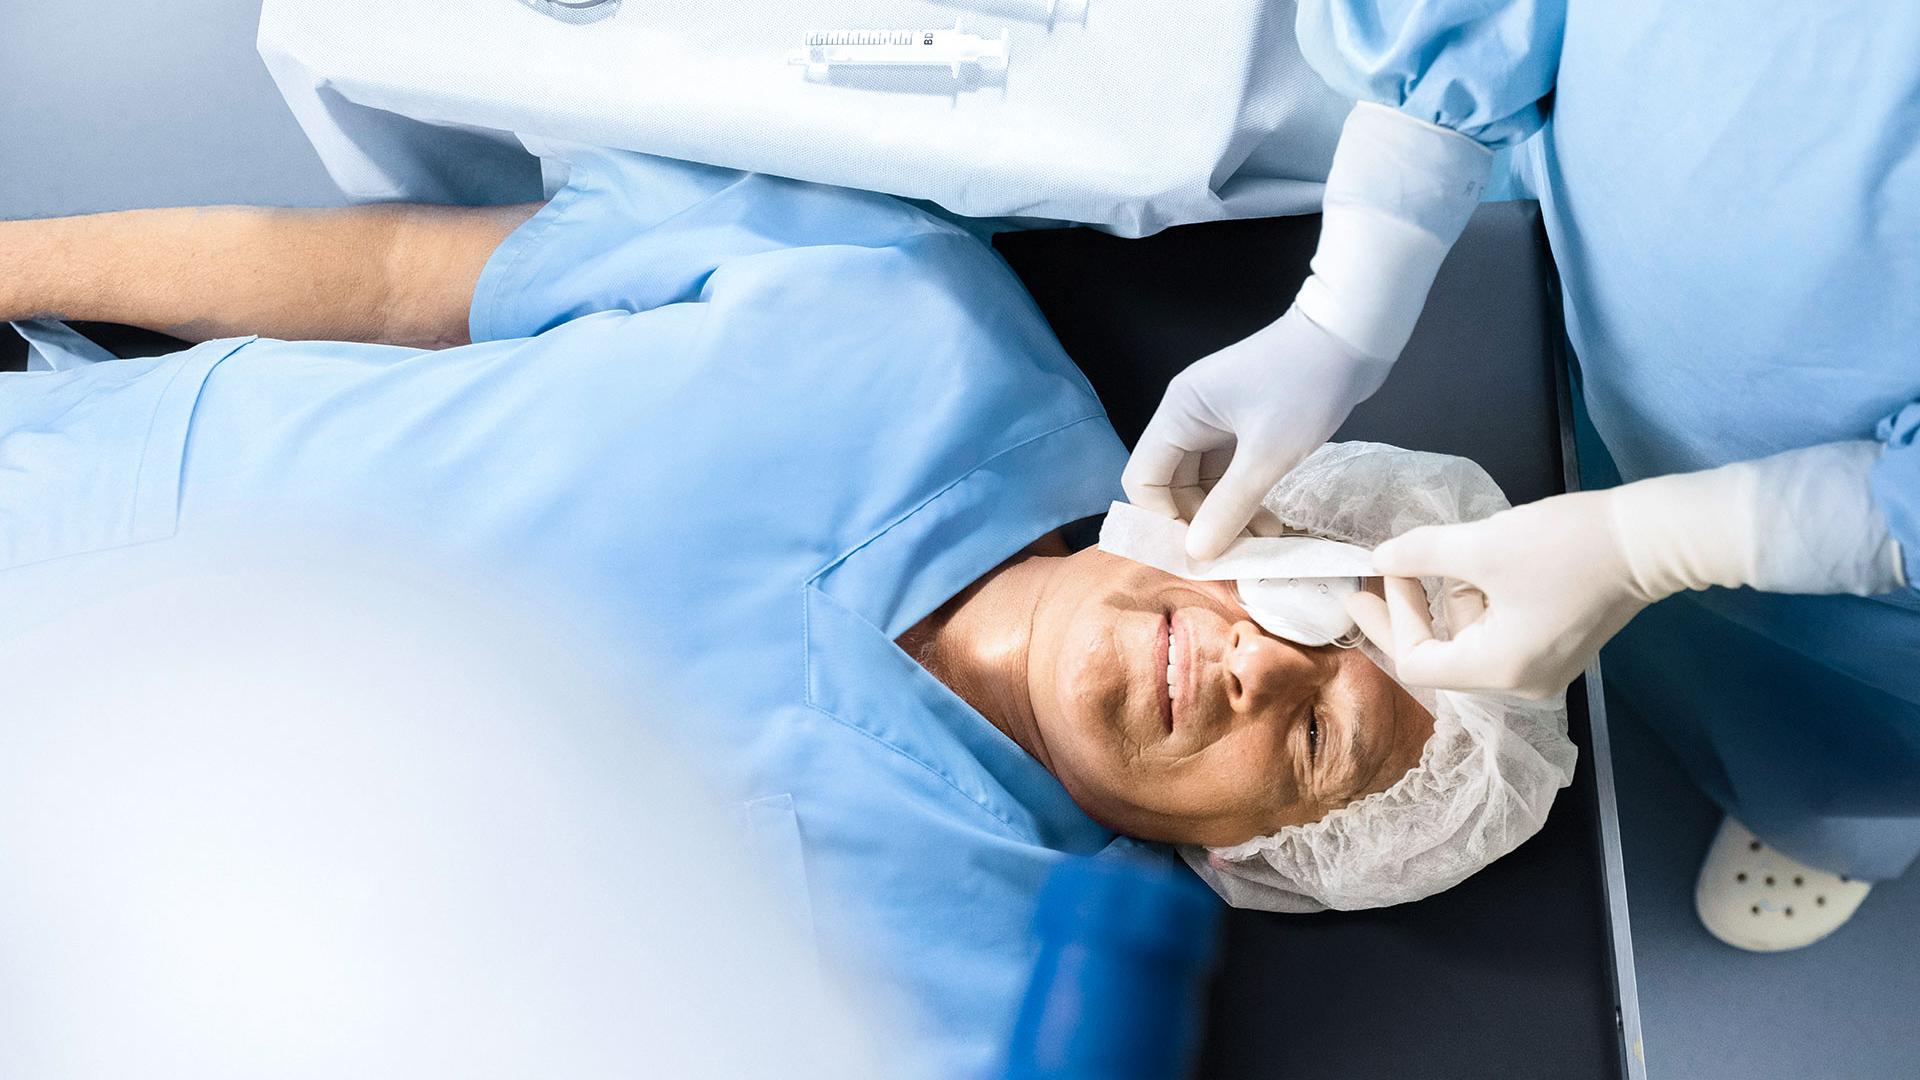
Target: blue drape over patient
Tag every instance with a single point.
(749, 431)
(1732, 194)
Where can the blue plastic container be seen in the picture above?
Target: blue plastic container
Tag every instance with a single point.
(1126, 949)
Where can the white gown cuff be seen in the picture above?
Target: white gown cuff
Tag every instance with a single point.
(1799, 522)
(1399, 193)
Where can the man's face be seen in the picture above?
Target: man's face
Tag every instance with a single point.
(1170, 715)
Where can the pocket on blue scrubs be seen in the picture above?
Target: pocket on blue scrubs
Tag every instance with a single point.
(91, 448)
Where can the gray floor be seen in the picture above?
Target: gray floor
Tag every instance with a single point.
(121, 103)
(1846, 1008)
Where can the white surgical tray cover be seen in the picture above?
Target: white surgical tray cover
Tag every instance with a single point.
(1144, 115)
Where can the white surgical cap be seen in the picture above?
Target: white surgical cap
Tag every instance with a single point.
(1487, 774)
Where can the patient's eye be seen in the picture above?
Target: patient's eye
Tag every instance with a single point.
(1313, 734)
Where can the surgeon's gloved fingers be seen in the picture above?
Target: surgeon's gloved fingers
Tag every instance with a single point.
(1446, 551)
(1210, 466)
(1407, 604)
(1213, 465)
(1235, 498)
(1405, 601)
(1486, 658)
(1168, 455)
(1155, 494)
(1369, 613)
(1468, 661)
(1190, 485)
(1266, 523)
(1434, 664)
(1463, 603)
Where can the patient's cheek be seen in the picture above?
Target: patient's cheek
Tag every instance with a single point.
(1090, 680)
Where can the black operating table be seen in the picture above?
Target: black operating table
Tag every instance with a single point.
(1526, 969)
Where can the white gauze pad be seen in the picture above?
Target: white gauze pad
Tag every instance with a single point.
(1161, 542)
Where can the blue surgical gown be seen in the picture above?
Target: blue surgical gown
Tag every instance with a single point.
(1732, 194)
(748, 430)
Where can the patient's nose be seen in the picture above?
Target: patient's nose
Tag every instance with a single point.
(1263, 673)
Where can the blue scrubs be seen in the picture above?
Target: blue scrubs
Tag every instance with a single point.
(750, 431)
(1732, 193)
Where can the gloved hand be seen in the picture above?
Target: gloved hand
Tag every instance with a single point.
(1398, 194)
(1535, 591)
(1235, 422)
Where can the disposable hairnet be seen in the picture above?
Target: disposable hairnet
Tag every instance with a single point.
(1488, 773)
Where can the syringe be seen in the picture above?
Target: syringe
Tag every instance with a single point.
(951, 49)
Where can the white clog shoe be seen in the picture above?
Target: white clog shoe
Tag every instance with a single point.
(1753, 897)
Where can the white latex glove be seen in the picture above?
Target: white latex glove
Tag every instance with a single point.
(1533, 592)
(1235, 422)
(1398, 195)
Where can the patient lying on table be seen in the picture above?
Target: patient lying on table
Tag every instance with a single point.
(804, 454)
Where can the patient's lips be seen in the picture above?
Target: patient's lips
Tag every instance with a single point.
(1163, 655)
(1178, 648)
(1192, 627)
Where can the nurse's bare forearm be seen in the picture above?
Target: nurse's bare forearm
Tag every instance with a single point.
(396, 273)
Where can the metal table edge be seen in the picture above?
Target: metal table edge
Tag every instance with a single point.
(1619, 928)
